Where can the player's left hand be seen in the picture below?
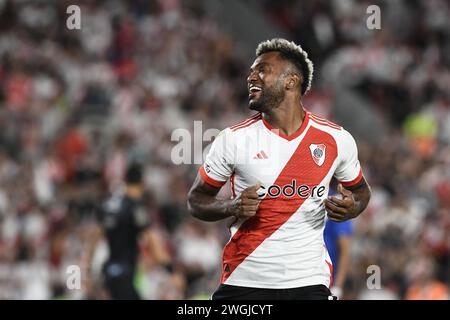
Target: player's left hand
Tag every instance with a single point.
(341, 209)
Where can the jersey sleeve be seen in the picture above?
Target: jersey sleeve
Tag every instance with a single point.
(348, 171)
(219, 162)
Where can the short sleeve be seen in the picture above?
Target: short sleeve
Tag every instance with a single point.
(348, 171)
(219, 162)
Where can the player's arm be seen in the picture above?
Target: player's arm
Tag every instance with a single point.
(354, 200)
(155, 245)
(356, 193)
(203, 204)
(95, 235)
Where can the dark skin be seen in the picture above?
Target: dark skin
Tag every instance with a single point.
(354, 201)
(280, 103)
(203, 205)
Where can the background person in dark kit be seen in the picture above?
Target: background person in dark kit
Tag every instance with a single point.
(124, 222)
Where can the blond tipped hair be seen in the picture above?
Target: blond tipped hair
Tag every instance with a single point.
(289, 50)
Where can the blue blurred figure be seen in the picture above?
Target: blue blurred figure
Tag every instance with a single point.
(337, 236)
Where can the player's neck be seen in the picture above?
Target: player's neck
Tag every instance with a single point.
(288, 117)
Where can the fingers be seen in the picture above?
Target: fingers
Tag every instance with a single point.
(334, 212)
(334, 208)
(251, 195)
(337, 201)
(346, 203)
(347, 197)
(248, 211)
(251, 192)
(343, 191)
(336, 216)
(246, 208)
(249, 202)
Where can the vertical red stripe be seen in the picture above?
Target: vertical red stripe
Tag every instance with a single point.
(274, 212)
(331, 272)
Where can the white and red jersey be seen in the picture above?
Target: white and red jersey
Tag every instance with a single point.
(281, 246)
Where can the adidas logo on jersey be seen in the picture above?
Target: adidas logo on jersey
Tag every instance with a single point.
(261, 155)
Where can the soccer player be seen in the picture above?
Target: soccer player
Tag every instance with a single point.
(280, 163)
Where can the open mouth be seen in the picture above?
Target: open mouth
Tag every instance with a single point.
(253, 90)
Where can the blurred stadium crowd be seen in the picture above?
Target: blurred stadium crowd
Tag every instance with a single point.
(77, 106)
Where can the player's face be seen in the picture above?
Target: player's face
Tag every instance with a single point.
(266, 83)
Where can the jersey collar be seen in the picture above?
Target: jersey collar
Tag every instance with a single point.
(292, 136)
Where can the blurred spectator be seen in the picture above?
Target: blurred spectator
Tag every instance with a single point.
(424, 285)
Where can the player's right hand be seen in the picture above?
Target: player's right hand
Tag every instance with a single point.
(246, 204)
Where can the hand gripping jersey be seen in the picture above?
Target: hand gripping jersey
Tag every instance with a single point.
(281, 246)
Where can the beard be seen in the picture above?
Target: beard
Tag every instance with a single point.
(269, 98)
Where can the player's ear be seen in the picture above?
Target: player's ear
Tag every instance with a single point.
(293, 81)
